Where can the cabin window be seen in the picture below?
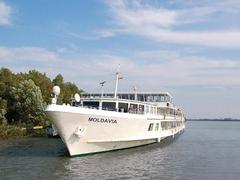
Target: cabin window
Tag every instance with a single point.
(131, 96)
(165, 111)
(141, 109)
(174, 124)
(151, 110)
(161, 111)
(150, 98)
(170, 125)
(140, 97)
(124, 96)
(133, 108)
(123, 107)
(150, 128)
(109, 106)
(147, 109)
(157, 127)
(164, 125)
(91, 104)
(155, 98)
(167, 98)
(75, 103)
(162, 99)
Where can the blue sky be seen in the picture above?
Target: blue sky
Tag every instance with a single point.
(187, 47)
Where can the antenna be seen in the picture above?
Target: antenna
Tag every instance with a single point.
(102, 84)
(135, 92)
(117, 78)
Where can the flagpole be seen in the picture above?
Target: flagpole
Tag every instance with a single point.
(117, 78)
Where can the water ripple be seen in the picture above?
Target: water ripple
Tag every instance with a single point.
(206, 150)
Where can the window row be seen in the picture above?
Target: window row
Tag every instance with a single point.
(151, 125)
(165, 125)
(131, 108)
(169, 124)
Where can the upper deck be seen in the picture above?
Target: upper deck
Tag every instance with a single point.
(139, 103)
(151, 97)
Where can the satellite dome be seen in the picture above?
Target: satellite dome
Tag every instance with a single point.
(77, 97)
(56, 90)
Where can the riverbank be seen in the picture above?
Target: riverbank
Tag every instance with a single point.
(13, 131)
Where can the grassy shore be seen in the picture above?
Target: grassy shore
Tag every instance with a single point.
(13, 131)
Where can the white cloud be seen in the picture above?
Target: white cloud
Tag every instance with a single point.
(132, 13)
(82, 36)
(105, 33)
(5, 13)
(145, 67)
(228, 39)
(159, 24)
(166, 73)
(224, 6)
(96, 35)
(26, 54)
(183, 70)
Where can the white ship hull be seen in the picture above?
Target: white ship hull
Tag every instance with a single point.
(86, 131)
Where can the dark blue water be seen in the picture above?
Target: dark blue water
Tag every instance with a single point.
(206, 150)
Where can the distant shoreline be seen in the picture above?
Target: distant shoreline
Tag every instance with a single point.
(222, 120)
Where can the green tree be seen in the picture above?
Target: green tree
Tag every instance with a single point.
(3, 111)
(68, 89)
(58, 80)
(42, 81)
(28, 103)
(7, 81)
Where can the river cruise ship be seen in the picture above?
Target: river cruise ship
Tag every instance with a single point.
(99, 122)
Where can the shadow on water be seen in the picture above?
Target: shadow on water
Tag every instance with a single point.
(206, 150)
(45, 147)
(29, 157)
(33, 147)
(120, 164)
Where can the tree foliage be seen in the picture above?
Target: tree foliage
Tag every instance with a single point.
(28, 103)
(58, 80)
(42, 81)
(3, 110)
(7, 80)
(23, 96)
(68, 89)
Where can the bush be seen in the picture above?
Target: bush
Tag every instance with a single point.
(28, 103)
(23, 97)
(3, 111)
(11, 131)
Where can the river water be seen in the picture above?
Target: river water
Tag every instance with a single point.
(206, 150)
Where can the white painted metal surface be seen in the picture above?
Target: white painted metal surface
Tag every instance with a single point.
(85, 130)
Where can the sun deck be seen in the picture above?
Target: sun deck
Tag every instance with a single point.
(144, 96)
(140, 103)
